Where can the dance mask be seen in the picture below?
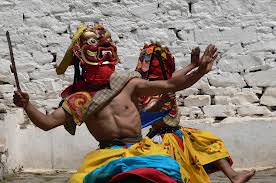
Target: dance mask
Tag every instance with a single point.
(155, 62)
(97, 54)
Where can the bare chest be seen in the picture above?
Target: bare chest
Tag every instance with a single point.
(122, 104)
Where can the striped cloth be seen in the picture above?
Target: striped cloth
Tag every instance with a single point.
(102, 97)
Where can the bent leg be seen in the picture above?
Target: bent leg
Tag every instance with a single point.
(235, 177)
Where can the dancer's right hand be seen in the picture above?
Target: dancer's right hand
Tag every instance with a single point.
(21, 99)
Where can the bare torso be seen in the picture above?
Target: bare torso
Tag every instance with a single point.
(119, 119)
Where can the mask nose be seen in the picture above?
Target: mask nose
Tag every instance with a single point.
(104, 42)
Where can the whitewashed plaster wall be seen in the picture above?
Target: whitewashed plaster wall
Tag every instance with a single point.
(242, 83)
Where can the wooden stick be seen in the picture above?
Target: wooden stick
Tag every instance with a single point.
(12, 66)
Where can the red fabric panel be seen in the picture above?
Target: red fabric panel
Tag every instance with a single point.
(179, 141)
(146, 175)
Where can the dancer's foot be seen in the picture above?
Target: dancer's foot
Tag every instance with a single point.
(243, 176)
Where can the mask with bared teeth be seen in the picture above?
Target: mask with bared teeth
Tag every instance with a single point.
(97, 54)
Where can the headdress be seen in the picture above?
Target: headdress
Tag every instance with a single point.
(155, 62)
(68, 57)
(94, 57)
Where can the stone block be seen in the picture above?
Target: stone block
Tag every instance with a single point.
(262, 46)
(6, 88)
(4, 69)
(273, 114)
(234, 34)
(115, 10)
(237, 34)
(191, 112)
(268, 100)
(244, 98)
(10, 19)
(154, 34)
(261, 78)
(184, 122)
(23, 77)
(35, 86)
(203, 82)
(53, 86)
(269, 97)
(49, 104)
(42, 58)
(188, 92)
(265, 30)
(256, 90)
(7, 3)
(226, 79)
(252, 110)
(8, 98)
(207, 35)
(40, 74)
(220, 91)
(197, 100)
(239, 63)
(187, 35)
(181, 24)
(144, 11)
(270, 91)
(180, 101)
(222, 100)
(219, 110)
(129, 61)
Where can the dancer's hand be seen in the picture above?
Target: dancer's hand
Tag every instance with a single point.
(168, 97)
(195, 57)
(21, 99)
(208, 58)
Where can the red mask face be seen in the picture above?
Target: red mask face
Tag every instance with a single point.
(155, 63)
(97, 54)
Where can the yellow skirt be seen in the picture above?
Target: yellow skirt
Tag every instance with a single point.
(101, 157)
(192, 149)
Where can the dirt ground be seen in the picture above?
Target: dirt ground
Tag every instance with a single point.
(265, 176)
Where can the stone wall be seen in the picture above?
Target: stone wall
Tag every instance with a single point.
(3, 145)
(241, 84)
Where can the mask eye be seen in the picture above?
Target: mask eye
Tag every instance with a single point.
(91, 41)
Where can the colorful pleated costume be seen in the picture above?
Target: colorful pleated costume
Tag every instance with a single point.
(103, 165)
(195, 150)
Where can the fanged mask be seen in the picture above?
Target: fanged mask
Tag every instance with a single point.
(97, 54)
